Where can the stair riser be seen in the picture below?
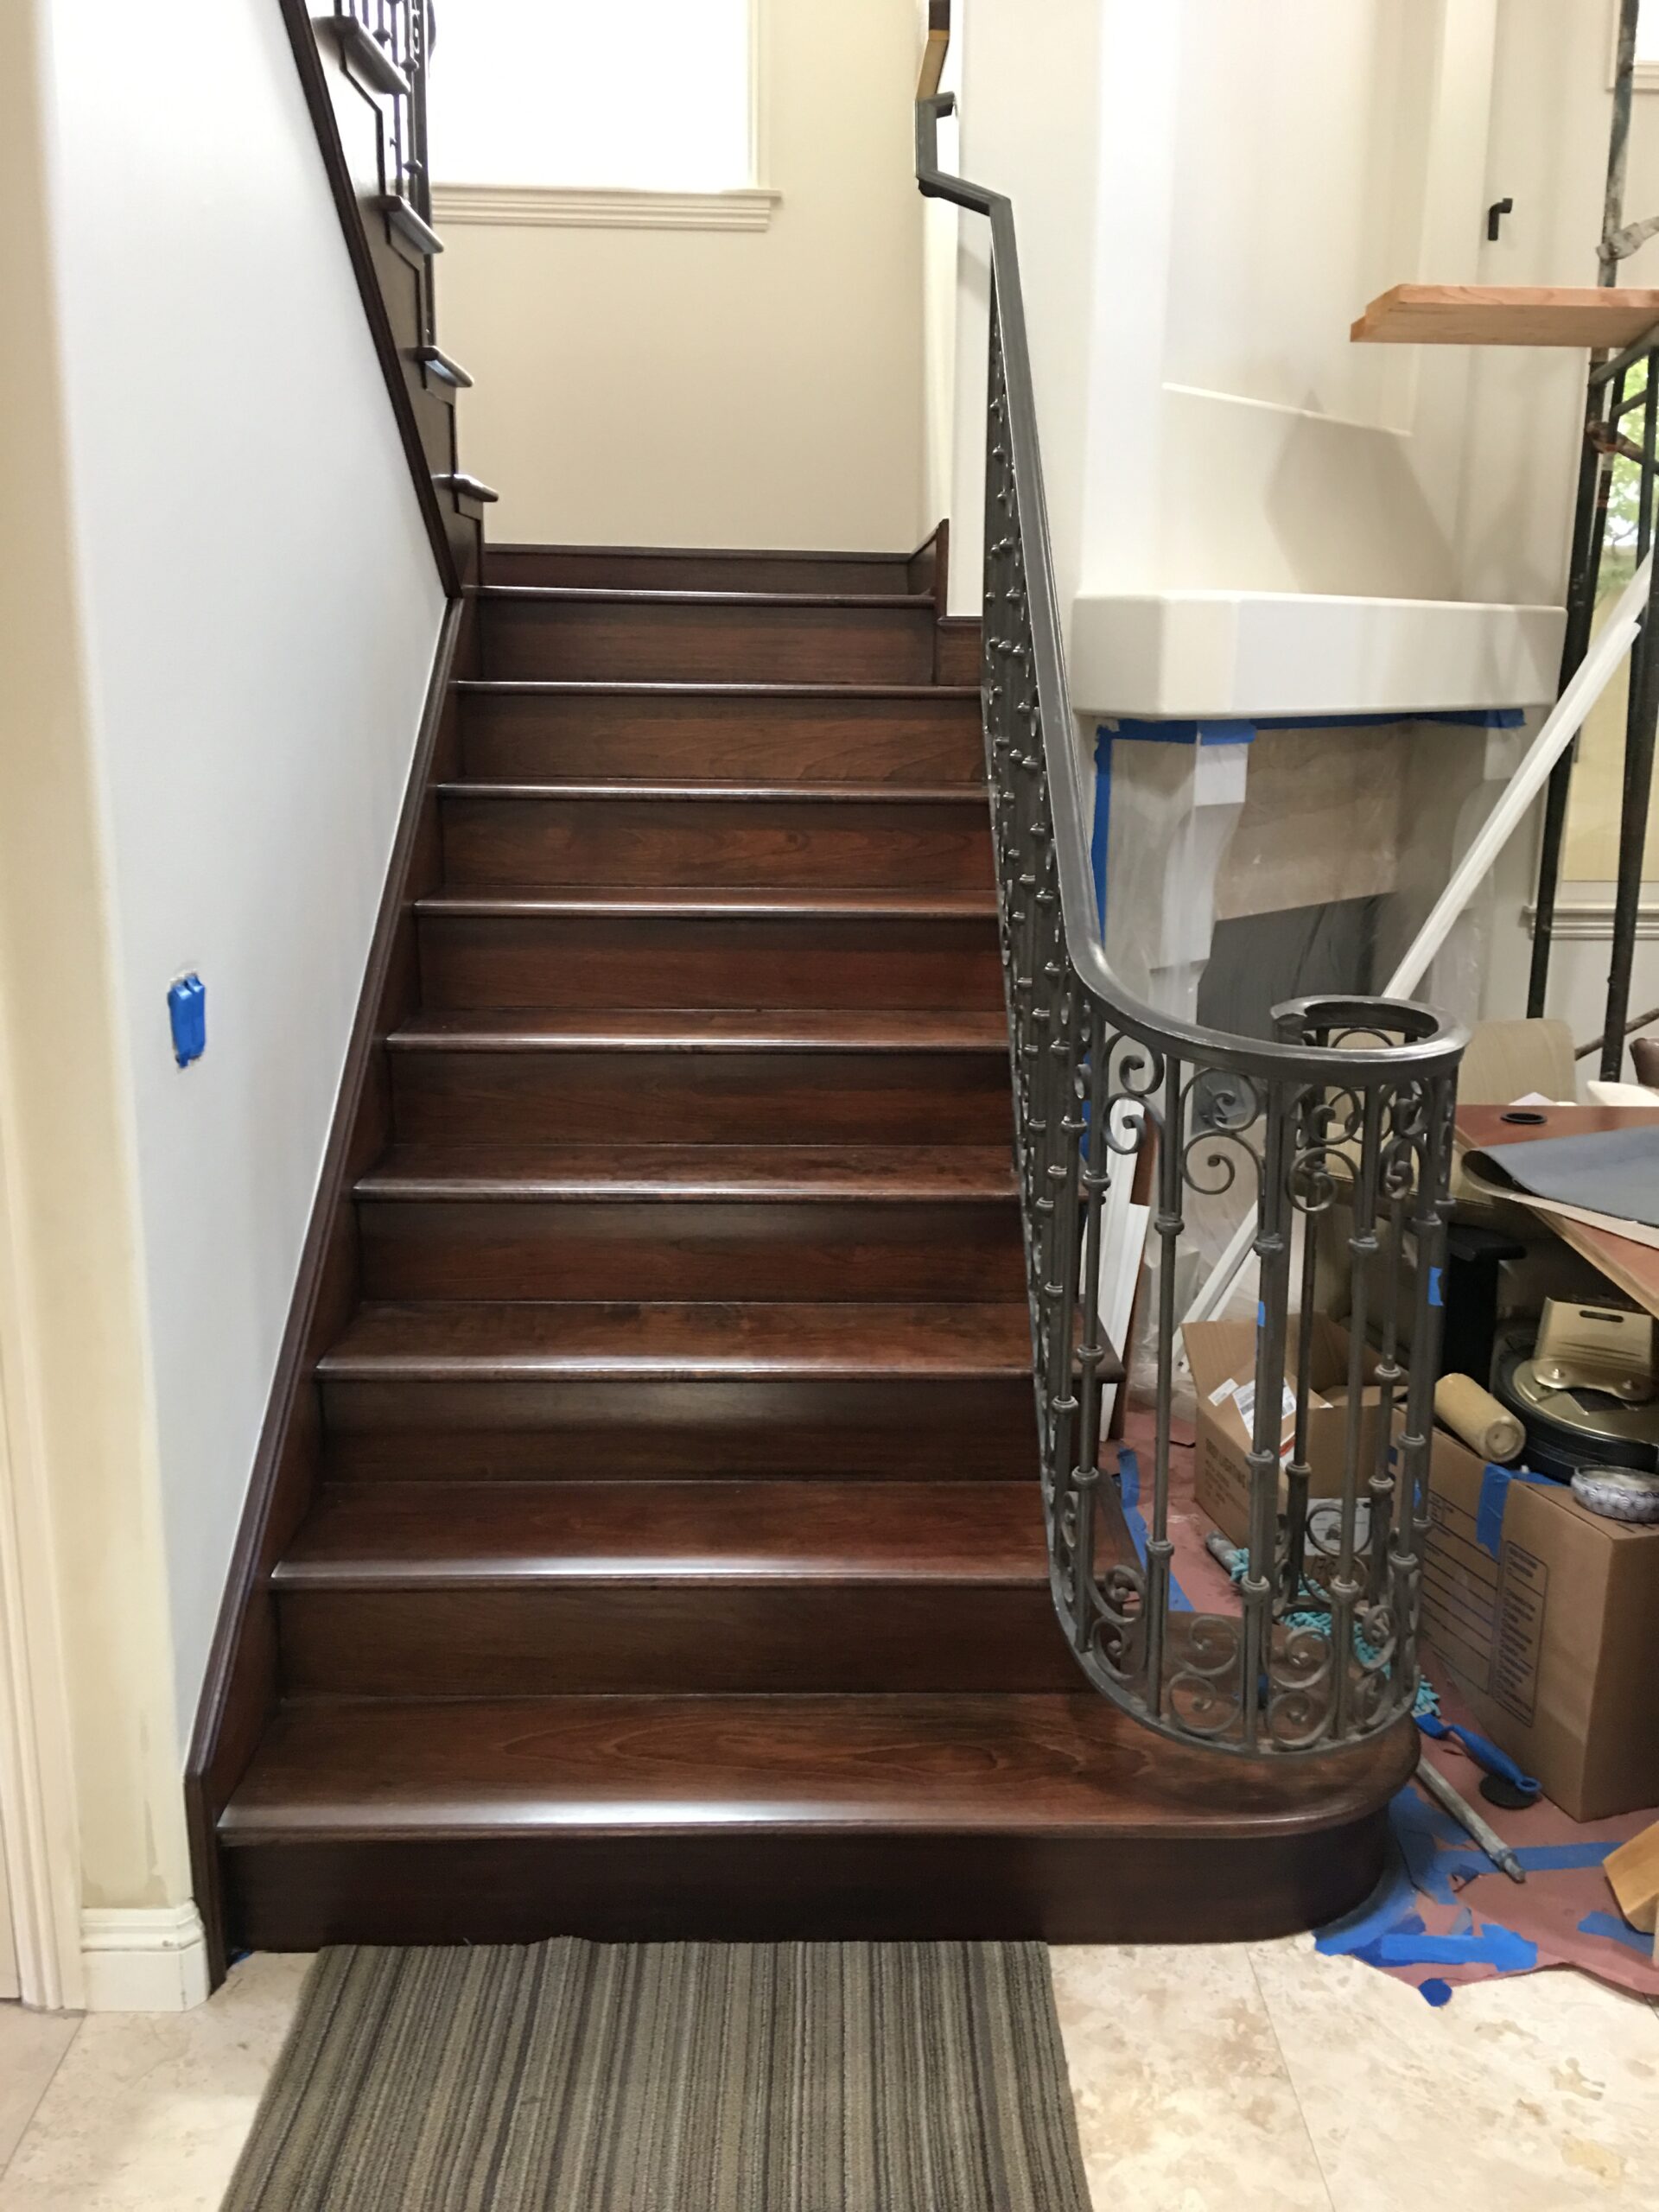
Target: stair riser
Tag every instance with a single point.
(750, 1885)
(623, 1431)
(615, 641)
(767, 1097)
(523, 737)
(561, 1248)
(505, 843)
(473, 962)
(553, 565)
(711, 1639)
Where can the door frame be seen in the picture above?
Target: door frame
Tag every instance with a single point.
(39, 1855)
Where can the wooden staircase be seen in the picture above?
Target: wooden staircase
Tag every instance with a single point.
(670, 1561)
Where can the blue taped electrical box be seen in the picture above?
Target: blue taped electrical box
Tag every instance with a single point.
(186, 1008)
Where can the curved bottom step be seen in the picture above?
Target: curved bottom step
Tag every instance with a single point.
(786, 1818)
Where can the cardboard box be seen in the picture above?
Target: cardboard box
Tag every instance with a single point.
(1222, 1356)
(1547, 1618)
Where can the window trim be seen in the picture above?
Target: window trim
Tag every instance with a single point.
(1646, 76)
(605, 208)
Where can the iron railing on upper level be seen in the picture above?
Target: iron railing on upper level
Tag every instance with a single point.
(392, 39)
(1347, 1111)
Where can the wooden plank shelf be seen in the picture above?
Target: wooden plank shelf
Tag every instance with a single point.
(1507, 315)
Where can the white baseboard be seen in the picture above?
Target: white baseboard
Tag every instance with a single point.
(146, 1960)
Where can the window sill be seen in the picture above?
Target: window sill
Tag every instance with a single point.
(604, 208)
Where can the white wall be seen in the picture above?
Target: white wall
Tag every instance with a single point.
(1206, 196)
(685, 387)
(260, 612)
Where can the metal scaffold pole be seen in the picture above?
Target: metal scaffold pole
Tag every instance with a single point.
(1606, 406)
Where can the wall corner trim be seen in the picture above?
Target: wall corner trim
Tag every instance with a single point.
(143, 1960)
(604, 207)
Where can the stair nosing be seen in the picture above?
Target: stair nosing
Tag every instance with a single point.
(724, 901)
(712, 1363)
(574, 1537)
(711, 791)
(591, 1037)
(288, 1577)
(1080, 1808)
(569, 686)
(383, 1185)
(636, 595)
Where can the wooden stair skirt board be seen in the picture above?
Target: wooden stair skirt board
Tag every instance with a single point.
(645, 1538)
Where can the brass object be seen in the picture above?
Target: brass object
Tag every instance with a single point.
(1593, 1348)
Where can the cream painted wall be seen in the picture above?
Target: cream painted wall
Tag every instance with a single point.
(84, 1478)
(260, 611)
(721, 388)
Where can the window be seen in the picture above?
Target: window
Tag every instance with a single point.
(1647, 45)
(654, 96)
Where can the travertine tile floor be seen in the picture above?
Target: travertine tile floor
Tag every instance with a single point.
(1236, 2077)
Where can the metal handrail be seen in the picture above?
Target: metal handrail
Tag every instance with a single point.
(1343, 1118)
(1435, 1041)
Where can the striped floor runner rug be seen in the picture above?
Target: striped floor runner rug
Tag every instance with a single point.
(671, 2077)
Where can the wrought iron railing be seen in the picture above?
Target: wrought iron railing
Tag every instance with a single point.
(1345, 1113)
(394, 40)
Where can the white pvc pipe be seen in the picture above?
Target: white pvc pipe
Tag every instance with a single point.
(1595, 671)
(1612, 642)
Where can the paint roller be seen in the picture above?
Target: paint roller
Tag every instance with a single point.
(1490, 1431)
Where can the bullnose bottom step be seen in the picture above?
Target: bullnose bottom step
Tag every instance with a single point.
(832, 1818)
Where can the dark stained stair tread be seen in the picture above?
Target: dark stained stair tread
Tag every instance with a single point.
(805, 1029)
(784, 1173)
(556, 595)
(832, 902)
(554, 687)
(427, 1536)
(1024, 1764)
(529, 727)
(726, 791)
(452, 1342)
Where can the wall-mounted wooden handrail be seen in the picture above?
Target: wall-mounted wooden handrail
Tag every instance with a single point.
(933, 53)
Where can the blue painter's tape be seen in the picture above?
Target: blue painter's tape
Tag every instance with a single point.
(1100, 842)
(1436, 1991)
(1494, 1497)
(1177, 730)
(1457, 717)
(1436, 1288)
(1494, 1947)
(1128, 1490)
(1394, 1897)
(1260, 1312)
(1140, 732)
(1554, 1857)
(1617, 1931)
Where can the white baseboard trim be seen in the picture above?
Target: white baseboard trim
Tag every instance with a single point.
(145, 1959)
